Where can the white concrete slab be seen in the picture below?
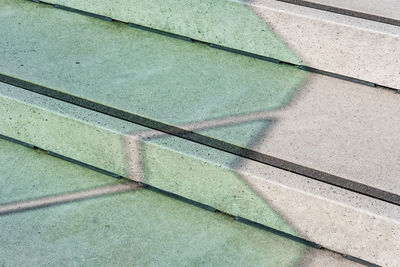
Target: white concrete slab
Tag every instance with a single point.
(341, 128)
(349, 46)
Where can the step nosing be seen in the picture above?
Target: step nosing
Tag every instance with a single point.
(97, 169)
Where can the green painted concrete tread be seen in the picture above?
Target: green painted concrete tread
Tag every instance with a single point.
(140, 228)
(208, 21)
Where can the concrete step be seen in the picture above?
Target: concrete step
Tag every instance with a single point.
(65, 214)
(220, 96)
(293, 204)
(346, 45)
(325, 128)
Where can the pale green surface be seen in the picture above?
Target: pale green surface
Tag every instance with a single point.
(158, 77)
(230, 23)
(26, 173)
(138, 228)
(84, 135)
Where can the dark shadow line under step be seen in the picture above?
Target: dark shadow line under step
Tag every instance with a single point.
(51, 153)
(100, 170)
(70, 9)
(178, 197)
(278, 232)
(17, 141)
(343, 11)
(360, 261)
(207, 141)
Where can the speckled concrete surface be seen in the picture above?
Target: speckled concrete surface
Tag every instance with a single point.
(339, 219)
(207, 20)
(285, 201)
(342, 128)
(152, 160)
(319, 39)
(157, 76)
(160, 81)
(139, 228)
(337, 43)
(81, 134)
(335, 218)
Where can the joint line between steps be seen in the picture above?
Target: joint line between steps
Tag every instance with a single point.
(343, 11)
(100, 170)
(228, 49)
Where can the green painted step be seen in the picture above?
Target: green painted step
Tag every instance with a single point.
(157, 77)
(141, 229)
(230, 23)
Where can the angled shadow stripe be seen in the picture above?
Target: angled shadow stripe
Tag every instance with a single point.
(208, 141)
(48, 201)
